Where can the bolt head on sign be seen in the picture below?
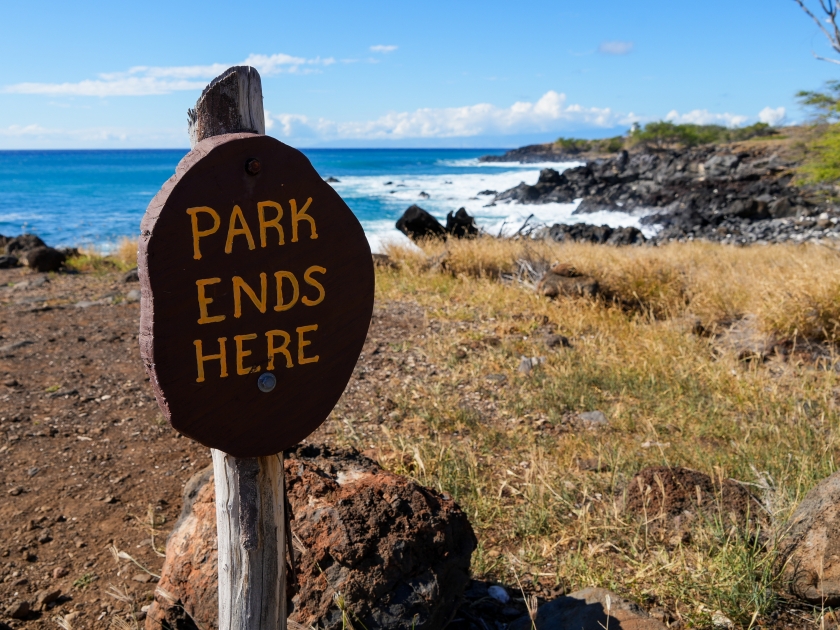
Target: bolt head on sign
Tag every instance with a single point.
(257, 293)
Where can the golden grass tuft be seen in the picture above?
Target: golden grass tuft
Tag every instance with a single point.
(94, 260)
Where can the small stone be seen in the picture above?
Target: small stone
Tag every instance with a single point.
(109, 500)
(499, 594)
(18, 610)
(80, 543)
(496, 378)
(16, 491)
(45, 538)
(60, 572)
(131, 276)
(719, 620)
(593, 419)
(143, 578)
(47, 596)
(132, 296)
(28, 556)
(526, 364)
(33, 471)
(557, 341)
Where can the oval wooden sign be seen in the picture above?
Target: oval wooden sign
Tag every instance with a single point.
(257, 293)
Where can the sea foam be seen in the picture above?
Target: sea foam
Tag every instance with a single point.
(453, 189)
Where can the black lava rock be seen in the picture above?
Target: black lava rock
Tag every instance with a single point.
(417, 224)
(460, 224)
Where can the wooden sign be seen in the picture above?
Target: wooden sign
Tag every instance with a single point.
(257, 293)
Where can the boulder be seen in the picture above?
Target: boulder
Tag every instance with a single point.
(588, 233)
(672, 496)
(131, 276)
(589, 609)
(565, 280)
(19, 245)
(392, 548)
(809, 558)
(417, 224)
(461, 224)
(45, 259)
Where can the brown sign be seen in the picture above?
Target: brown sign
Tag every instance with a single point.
(257, 294)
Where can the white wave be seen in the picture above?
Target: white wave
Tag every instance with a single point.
(452, 191)
(474, 162)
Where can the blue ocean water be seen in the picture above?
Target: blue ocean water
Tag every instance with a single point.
(95, 198)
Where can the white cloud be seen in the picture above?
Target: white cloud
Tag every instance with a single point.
(772, 116)
(705, 117)
(549, 113)
(16, 131)
(382, 48)
(615, 48)
(149, 80)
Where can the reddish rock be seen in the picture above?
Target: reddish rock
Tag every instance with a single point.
(675, 495)
(809, 558)
(391, 547)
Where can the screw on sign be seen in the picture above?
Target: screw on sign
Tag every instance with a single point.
(257, 294)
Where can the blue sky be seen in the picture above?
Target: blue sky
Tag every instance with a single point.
(374, 73)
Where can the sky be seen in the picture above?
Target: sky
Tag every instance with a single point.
(91, 74)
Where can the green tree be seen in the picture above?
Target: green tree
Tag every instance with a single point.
(825, 105)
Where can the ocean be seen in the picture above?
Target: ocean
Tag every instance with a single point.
(95, 198)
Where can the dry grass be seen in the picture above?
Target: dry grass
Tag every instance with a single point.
(94, 260)
(505, 452)
(793, 291)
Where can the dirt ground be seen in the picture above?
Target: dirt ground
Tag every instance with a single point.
(89, 467)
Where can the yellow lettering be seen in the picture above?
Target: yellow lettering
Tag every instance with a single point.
(308, 279)
(281, 306)
(275, 222)
(196, 233)
(272, 350)
(299, 216)
(302, 343)
(241, 354)
(236, 231)
(240, 285)
(203, 301)
(200, 358)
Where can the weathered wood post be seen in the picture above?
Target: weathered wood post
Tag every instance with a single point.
(246, 365)
(250, 498)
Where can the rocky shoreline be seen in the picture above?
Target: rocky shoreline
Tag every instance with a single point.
(726, 193)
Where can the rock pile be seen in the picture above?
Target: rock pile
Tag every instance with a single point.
(588, 233)
(396, 551)
(707, 192)
(30, 250)
(418, 224)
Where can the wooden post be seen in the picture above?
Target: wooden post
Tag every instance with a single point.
(251, 532)
(250, 503)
